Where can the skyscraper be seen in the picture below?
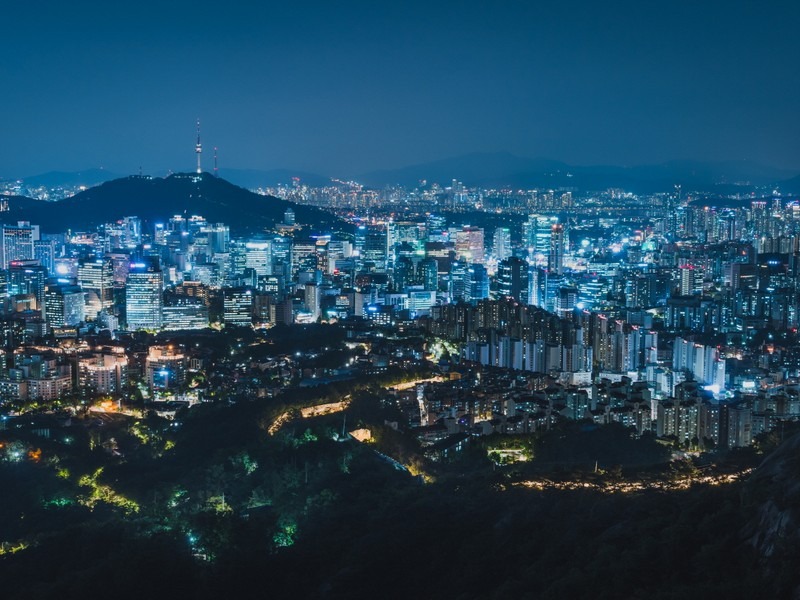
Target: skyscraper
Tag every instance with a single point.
(469, 244)
(238, 306)
(502, 243)
(63, 305)
(16, 243)
(144, 296)
(555, 258)
(371, 247)
(478, 283)
(27, 277)
(512, 278)
(96, 278)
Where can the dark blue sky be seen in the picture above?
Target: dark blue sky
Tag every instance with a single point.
(346, 87)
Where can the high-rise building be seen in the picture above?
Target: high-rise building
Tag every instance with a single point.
(512, 279)
(16, 243)
(429, 274)
(144, 296)
(371, 248)
(501, 243)
(555, 258)
(237, 306)
(478, 282)
(27, 277)
(96, 278)
(313, 299)
(185, 312)
(403, 275)
(219, 236)
(103, 373)
(165, 367)
(63, 305)
(469, 245)
(458, 282)
(258, 253)
(537, 231)
(44, 251)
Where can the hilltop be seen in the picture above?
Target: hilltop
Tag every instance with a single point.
(156, 199)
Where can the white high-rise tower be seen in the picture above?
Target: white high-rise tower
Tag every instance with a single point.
(198, 148)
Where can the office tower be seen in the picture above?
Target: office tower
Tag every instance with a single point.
(237, 306)
(96, 278)
(282, 256)
(219, 236)
(429, 274)
(469, 245)
(304, 255)
(537, 284)
(184, 312)
(258, 256)
(313, 299)
(63, 305)
(289, 217)
(501, 243)
(371, 248)
(478, 283)
(409, 234)
(512, 279)
(144, 296)
(458, 283)
(436, 228)
(131, 232)
(27, 277)
(403, 275)
(566, 300)
(44, 251)
(537, 233)
(555, 258)
(16, 243)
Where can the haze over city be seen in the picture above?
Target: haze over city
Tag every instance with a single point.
(341, 89)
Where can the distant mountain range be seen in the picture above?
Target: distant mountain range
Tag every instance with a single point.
(156, 199)
(504, 170)
(53, 179)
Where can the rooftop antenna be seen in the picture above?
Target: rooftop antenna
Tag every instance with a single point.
(216, 170)
(198, 148)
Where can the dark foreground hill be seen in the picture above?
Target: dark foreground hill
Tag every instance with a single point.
(156, 199)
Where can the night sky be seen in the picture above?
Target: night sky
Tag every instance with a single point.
(341, 88)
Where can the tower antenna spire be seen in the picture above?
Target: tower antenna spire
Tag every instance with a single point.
(216, 171)
(198, 148)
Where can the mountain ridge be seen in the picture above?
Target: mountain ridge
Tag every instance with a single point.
(503, 169)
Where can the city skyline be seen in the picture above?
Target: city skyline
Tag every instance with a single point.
(348, 89)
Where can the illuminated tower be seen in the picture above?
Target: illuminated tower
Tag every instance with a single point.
(198, 148)
(555, 260)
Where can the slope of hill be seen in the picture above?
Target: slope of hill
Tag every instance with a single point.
(156, 199)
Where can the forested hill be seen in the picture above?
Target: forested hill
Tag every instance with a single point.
(157, 199)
